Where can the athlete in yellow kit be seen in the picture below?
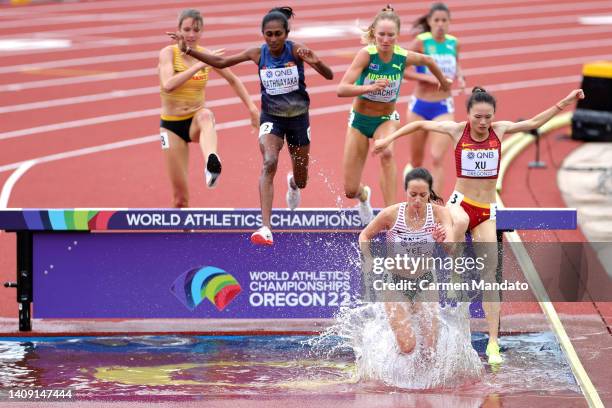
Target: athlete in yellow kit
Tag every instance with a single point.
(184, 118)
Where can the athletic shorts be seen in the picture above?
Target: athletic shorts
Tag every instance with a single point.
(367, 125)
(478, 212)
(295, 129)
(431, 110)
(178, 126)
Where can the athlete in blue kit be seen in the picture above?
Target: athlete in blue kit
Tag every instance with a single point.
(284, 107)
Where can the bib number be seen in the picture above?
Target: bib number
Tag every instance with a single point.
(165, 140)
(455, 199)
(265, 128)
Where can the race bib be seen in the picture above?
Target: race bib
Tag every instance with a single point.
(265, 128)
(479, 162)
(278, 81)
(387, 94)
(447, 64)
(455, 199)
(165, 140)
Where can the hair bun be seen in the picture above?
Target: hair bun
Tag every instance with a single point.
(388, 8)
(478, 89)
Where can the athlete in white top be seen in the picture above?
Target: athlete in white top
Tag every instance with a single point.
(417, 221)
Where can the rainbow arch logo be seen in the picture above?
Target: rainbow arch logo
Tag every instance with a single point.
(206, 282)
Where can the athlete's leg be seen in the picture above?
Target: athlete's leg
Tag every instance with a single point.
(486, 233)
(203, 131)
(440, 143)
(300, 156)
(270, 146)
(461, 221)
(399, 319)
(388, 176)
(417, 141)
(176, 156)
(356, 148)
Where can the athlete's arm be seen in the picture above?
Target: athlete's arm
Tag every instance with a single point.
(242, 93)
(307, 55)
(383, 221)
(458, 70)
(443, 217)
(168, 79)
(416, 58)
(347, 87)
(410, 73)
(539, 119)
(218, 61)
(452, 129)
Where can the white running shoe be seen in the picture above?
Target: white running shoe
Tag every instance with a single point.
(263, 236)
(212, 170)
(366, 213)
(293, 195)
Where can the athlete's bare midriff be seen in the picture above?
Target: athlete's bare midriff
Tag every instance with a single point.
(371, 108)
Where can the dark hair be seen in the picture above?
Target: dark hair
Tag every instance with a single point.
(421, 173)
(386, 13)
(479, 94)
(282, 14)
(191, 13)
(421, 25)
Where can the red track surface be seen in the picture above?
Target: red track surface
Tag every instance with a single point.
(529, 53)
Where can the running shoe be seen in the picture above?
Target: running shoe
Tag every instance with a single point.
(293, 195)
(263, 236)
(493, 353)
(213, 170)
(407, 169)
(366, 213)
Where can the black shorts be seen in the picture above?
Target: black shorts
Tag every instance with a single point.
(179, 127)
(295, 129)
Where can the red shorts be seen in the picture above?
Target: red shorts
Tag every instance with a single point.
(476, 211)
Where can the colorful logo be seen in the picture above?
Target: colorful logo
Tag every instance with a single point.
(471, 155)
(374, 67)
(206, 282)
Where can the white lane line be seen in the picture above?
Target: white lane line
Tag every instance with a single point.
(220, 102)
(210, 8)
(368, 11)
(245, 122)
(152, 90)
(80, 36)
(478, 39)
(153, 71)
(10, 182)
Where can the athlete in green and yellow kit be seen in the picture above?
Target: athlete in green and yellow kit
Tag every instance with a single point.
(374, 78)
(428, 102)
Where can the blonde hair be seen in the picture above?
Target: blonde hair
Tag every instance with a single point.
(193, 14)
(386, 13)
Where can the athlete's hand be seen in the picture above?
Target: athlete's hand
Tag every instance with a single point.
(180, 40)
(308, 55)
(438, 233)
(380, 145)
(254, 113)
(573, 97)
(446, 86)
(378, 85)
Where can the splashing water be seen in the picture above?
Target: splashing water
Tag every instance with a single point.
(366, 330)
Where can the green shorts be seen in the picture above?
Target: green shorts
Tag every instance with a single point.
(367, 125)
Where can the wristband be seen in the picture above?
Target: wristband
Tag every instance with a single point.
(187, 50)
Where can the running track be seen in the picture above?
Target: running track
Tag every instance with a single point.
(79, 125)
